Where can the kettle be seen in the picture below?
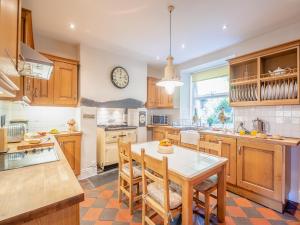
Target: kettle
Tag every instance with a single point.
(259, 125)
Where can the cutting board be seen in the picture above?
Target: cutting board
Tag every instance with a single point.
(24, 145)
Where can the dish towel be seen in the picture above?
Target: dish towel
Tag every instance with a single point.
(190, 137)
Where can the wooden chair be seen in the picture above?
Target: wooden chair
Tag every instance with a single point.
(157, 195)
(208, 186)
(174, 138)
(130, 174)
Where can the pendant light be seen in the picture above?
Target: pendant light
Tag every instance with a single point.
(170, 81)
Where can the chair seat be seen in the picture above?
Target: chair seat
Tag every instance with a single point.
(207, 184)
(155, 191)
(136, 169)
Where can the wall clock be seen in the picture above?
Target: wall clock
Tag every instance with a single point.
(119, 77)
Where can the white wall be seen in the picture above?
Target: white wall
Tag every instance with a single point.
(55, 47)
(277, 122)
(96, 66)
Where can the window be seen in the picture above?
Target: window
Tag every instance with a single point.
(210, 96)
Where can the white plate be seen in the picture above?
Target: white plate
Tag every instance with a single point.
(291, 90)
(273, 91)
(269, 90)
(262, 92)
(277, 91)
(286, 90)
(295, 89)
(282, 91)
(255, 93)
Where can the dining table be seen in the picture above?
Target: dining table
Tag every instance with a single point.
(188, 167)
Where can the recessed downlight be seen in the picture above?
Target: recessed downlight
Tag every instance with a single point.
(157, 58)
(224, 27)
(183, 46)
(72, 26)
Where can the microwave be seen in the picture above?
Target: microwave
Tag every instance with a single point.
(158, 119)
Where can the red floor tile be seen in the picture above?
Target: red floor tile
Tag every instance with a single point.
(259, 221)
(269, 214)
(235, 211)
(92, 214)
(88, 202)
(106, 194)
(242, 202)
(123, 215)
(103, 223)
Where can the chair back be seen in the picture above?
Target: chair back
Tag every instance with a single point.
(125, 156)
(174, 138)
(159, 174)
(210, 147)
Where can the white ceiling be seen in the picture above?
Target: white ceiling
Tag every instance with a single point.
(139, 28)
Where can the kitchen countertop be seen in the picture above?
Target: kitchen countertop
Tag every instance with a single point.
(286, 141)
(30, 192)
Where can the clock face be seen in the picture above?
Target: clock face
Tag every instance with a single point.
(119, 77)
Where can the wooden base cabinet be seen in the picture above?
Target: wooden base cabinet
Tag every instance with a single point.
(260, 168)
(229, 152)
(71, 146)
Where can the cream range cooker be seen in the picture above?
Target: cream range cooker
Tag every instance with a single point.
(107, 143)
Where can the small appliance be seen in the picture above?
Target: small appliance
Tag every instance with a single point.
(159, 119)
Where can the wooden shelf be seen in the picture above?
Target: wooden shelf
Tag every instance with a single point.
(281, 77)
(243, 82)
(286, 56)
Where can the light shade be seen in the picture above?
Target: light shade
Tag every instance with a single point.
(170, 81)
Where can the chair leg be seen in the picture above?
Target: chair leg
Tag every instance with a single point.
(130, 199)
(138, 189)
(207, 208)
(119, 189)
(144, 208)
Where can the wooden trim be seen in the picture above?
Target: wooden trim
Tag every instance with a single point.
(266, 51)
(60, 59)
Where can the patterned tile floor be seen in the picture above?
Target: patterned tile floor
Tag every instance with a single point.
(101, 207)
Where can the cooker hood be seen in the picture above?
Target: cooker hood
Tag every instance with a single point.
(34, 64)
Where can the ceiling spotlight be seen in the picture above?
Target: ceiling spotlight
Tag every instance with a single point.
(72, 26)
(224, 27)
(183, 46)
(157, 58)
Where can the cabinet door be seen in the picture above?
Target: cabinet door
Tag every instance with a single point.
(151, 92)
(42, 91)
(70, 145)
(158, 134)
(229, 152)
(260, 168)
(65, 84)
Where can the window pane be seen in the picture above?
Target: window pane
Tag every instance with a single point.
(209, 98)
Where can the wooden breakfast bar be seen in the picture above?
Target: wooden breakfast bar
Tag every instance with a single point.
(188, 168)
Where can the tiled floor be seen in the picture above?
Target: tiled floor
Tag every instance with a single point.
(101, 207)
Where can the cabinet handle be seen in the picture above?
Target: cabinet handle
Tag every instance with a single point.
(240, 150)
(35, 93)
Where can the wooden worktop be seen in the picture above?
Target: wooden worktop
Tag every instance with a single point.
(287, 141)
(31, 192)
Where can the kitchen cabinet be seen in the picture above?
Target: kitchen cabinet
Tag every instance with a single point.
(255, 77)
(70, 144)
(157, 96)
(65, 83)
(158, 133)
(260, 168)
(61, 88)
(229, 152)
(9, 47)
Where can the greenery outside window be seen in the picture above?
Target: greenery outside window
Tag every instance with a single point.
(210, 90)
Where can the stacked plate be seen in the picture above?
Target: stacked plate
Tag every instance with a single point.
(243, 93)
(276, 91)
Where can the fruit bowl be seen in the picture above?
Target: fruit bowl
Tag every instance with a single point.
(165, 149)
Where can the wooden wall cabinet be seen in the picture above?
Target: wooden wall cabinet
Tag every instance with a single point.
(71, 146)
(157, 96)
(229, 152)
(253, 81)
(158, 133)
(61, 88)
(260, 168)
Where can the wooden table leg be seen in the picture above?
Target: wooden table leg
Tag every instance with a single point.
(222, 194)
(187, 203)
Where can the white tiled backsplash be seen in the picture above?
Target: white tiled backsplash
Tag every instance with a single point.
(40, 118)
(281, 120)
(106, 116)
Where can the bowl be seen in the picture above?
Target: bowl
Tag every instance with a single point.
(165, 149)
